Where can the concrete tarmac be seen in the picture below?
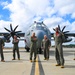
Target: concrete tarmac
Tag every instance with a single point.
(40, 67)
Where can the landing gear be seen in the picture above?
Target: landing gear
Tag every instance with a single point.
(40, 51)
(27, 48)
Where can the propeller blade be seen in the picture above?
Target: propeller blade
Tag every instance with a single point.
(12, 36)
(7, 29)
(17, 35)
(63, 28)
(11, 27)
(15, 27)
(7, 36)
(54, 29)
(18, 31)
(59, 27)
(65, 32)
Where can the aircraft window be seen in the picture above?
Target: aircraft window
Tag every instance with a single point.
(34, 25)
(39, 26)
(43, 25)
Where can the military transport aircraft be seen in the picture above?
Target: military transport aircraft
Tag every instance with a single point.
(40, 30)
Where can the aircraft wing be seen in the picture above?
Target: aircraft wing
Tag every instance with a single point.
(6, 36)
(20, 34)
(3, 33)
(70, 34)
(67, 34)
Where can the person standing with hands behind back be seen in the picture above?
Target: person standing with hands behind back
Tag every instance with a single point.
(15, 47)
(33, 47)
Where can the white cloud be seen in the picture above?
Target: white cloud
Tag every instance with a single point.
(73, 16)
(73, 27)
(64, 7)
(53, 21)
(4, 4)
(4, 24)
(24, 12)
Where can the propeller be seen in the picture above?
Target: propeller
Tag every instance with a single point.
(11, 27)
(63, 28)
(59, 28)
(66, 38)
(7, 29)
(65, 32)
(15, 28)
(12, 31)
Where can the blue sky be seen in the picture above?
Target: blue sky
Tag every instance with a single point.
(25, 12)
(4, 13)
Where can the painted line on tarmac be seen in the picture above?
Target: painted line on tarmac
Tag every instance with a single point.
(33, 68)
(40, 67)
(37, 68)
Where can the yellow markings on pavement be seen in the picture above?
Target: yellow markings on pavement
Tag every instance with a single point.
(37, 67)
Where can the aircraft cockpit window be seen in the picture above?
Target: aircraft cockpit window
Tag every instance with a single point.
(39, 26)
(33, 26)
(43, 25)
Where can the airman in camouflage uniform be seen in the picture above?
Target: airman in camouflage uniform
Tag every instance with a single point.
(15, 47)
(46, 43)
(33, 47)
(1, 49)
(58, 48)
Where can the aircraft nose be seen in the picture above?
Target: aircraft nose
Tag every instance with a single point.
(40, 34)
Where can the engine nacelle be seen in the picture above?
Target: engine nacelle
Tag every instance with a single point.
(67, 40)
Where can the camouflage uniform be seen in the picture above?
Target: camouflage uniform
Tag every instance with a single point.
(33, 47)
(58, 49)
(15, 48)
(1, 49)
(45, 45)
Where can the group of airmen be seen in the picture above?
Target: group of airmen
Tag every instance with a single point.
(15, 48)
(45, 45)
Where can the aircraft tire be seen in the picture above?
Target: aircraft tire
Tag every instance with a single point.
(40, 51)
(27, 50)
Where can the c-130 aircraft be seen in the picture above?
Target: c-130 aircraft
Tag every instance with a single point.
(40, 30)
